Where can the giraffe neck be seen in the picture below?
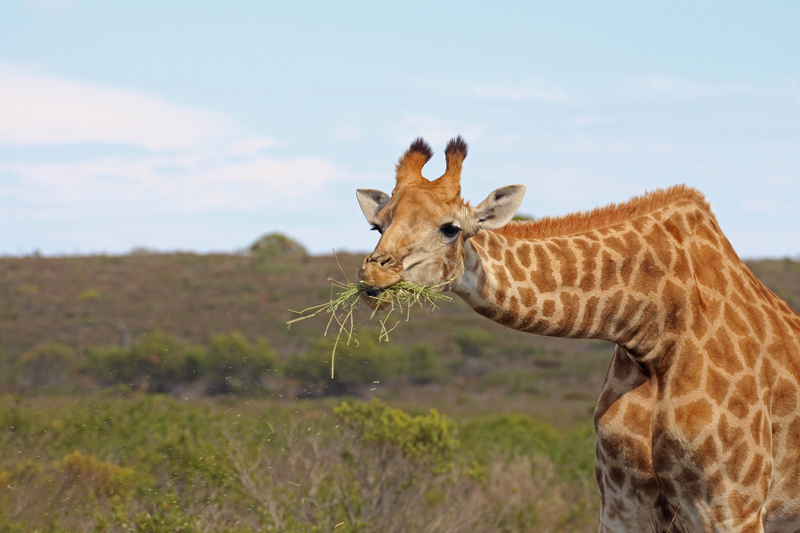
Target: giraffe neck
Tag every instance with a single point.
(630, 283)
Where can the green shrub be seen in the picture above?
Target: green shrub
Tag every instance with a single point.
(275, 245)
(362, 362)
(150, 463)
(509, 435)
(102, 478)
(156, 363)
(231, 363)
(430, 437)
(423, 364)
(473, 342)
(275, 253)
(48, 364)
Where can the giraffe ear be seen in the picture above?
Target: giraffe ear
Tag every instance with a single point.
(499, 207)
(371, 202)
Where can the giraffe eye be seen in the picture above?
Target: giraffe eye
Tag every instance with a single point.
(376, 228)
(450, 230)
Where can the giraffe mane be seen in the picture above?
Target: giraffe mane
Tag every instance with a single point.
(602, 217)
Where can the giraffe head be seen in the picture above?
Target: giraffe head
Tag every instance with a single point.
(424, 224)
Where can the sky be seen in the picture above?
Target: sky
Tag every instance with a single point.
(200, 126)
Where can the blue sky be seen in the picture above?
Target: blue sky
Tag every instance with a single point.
(202, 125)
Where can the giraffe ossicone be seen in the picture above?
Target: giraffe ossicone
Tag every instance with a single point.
(699, 416)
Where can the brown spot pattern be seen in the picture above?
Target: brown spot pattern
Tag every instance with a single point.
(687, 376)
(527, 296)
(524, 254)
(567, 263)
(608, 272)
(589, 313)
(542, 276)
(659, 241)
(649, 275)
(637, 420)
(784, 398)
(517, 272)
(493, 247)
(693, 417)
(717, 386)
(674, 298)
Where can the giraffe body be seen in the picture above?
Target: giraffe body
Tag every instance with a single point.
(699, 416)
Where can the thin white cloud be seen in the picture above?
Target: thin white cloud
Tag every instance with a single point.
(41, 110)
(197, 160)
(501, 92)
(164, 185)
(434, 130)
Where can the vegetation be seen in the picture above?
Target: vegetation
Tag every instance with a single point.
(423, 364)
(780, 275)
(363, 362)
(163, 392)
(473, 342)
(277, 245)
(159, 363)
(123, 461)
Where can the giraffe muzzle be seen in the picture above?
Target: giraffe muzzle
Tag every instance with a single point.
(379, 271)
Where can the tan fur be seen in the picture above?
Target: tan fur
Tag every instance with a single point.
(603, 217)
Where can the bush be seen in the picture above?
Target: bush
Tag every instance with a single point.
(149, 463)
(510, 435)
(156, 363)
(430, 437)
(423, 364)
(48, 364)
(100, 477)
(473, 342)
(275, 245)
(231, 363)
(362, 362)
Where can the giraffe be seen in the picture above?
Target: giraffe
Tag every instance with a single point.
(698, 421)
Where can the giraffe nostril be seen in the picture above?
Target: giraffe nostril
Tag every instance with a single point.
(383, 259)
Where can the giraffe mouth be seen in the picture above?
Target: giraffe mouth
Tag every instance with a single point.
(372, 291)
(371, 295)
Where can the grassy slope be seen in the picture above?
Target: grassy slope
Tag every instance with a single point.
(81, 301)
(84, 301)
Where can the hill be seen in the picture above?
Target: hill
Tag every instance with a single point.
(94, 301)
